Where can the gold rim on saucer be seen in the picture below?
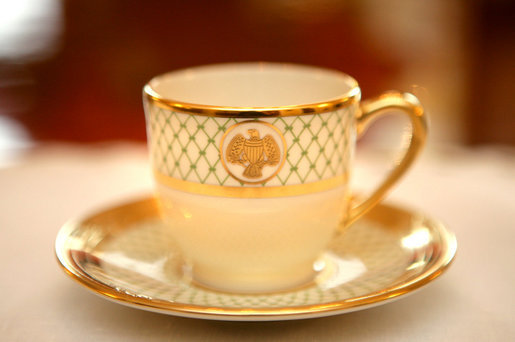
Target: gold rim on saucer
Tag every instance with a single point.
(125, 254)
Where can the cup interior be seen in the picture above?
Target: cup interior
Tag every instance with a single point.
(257, 84)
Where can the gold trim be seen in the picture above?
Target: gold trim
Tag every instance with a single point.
(222, 157)
(250, 191)
(66, 244)
(252, 112)
(351, 96)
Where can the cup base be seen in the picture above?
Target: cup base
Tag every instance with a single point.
(251, 282)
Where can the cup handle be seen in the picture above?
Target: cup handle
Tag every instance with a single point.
(371, 110)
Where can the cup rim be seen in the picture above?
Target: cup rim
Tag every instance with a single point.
(347, 98)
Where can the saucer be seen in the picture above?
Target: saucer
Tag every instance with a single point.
(125, 254)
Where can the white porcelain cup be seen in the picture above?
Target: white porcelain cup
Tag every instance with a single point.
(252, 163)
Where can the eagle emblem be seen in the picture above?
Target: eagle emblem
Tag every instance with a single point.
(253, 153)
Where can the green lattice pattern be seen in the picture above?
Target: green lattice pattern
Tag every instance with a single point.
(187, 146)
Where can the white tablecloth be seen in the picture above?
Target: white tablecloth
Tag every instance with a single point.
(472, 192)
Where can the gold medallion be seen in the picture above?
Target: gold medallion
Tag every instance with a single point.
(253, 151)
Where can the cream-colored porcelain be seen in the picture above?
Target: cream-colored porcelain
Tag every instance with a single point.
(253, 244)
(252, 162)
(128, 255)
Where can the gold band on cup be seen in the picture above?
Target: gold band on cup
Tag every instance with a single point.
(248, 191)
(252, 112)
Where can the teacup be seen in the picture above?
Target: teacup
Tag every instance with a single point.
(252, 164)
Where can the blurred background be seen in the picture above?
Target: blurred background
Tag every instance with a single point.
(72, 71)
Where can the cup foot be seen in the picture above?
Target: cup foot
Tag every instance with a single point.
(251, 282)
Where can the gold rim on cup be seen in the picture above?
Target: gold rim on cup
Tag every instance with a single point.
(349, 97)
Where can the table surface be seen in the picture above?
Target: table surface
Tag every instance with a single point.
(471, 191)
